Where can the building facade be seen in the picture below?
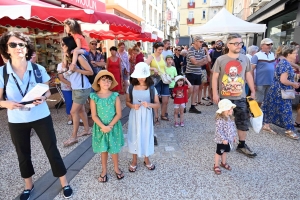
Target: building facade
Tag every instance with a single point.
(170, 21)
(282, 18)
(242, 9)
(196, 13)
(152, 15)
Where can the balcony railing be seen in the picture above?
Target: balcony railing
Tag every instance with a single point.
(190, 20)
(191, 5)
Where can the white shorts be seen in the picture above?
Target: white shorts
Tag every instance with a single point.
(179, 105)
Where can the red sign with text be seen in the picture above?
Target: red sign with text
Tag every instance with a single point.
(87, 4)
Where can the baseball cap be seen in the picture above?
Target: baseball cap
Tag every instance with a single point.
(198, 37)
(93, 40)
(266, 41)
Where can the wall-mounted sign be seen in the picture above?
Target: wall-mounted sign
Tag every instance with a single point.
(87, 4)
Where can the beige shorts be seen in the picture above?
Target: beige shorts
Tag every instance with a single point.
(80, 96)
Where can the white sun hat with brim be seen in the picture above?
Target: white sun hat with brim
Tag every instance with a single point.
(225, 105)
(141, 70)
(177, 78)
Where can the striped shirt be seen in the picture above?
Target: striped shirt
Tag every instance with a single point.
(265, 68)
(198, 55)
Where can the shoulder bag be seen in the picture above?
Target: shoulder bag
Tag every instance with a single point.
(166, 79)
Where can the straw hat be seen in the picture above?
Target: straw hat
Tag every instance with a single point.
(141, 70)
(96, 86)
(224, 105)
(177, 78)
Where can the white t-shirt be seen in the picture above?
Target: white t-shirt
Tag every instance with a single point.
(167, 53)
(64, 86)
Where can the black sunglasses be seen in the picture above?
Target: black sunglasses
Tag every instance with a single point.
(93, 44)
(269, 44)
(14, 45)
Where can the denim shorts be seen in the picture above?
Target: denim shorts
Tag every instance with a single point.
(162, 89)
(241, 114)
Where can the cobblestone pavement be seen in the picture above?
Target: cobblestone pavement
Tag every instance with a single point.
(183, 159)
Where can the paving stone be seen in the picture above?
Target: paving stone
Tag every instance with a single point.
(169, 148)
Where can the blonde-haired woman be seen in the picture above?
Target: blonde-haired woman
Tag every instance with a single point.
(277, 110)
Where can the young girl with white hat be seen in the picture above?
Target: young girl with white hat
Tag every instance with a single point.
(225, 133)
(180, 94)
(140, 124)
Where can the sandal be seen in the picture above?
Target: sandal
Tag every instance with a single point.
(149, 167)
(210, 104)
(120, 176)
(164, 118)
(70, 142)
(217, 170)
(201, 104)
(297, 125)
(85, 133)
(156, 122)
(269, 130)
(102, 179)
(226, 166)
(132, 168)
(291, 135)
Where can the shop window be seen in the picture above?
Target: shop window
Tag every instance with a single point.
(281, 30)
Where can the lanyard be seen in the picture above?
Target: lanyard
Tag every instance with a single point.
(23, 94)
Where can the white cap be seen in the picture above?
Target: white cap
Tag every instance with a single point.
(141, 70)
(178, 78)
(266, 41)
(225, 105)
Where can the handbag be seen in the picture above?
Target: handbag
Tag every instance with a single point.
(166, 79)
(288, 94)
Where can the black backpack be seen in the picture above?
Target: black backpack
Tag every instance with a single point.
(90, 77)
(36, 72)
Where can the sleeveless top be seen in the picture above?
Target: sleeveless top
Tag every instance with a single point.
(161, 63)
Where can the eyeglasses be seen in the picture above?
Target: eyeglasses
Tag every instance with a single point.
(62, 44)
(236, 44)
(269, 44)
(93, 44)
(14, 45)
(178, 49)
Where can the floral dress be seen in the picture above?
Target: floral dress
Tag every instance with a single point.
(276, 110)
(112, 141)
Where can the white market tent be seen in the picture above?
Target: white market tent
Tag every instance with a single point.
(224, 22)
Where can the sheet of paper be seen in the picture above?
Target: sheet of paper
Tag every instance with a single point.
(35, 92)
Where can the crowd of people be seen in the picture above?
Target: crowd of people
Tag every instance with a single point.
(222, 75)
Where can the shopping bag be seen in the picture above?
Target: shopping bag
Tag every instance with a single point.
(257, 123)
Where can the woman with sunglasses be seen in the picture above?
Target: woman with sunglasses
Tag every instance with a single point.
(17, 48)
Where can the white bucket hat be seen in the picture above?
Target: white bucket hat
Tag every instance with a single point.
(225, 105)
(141, 70)
(178, 78)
